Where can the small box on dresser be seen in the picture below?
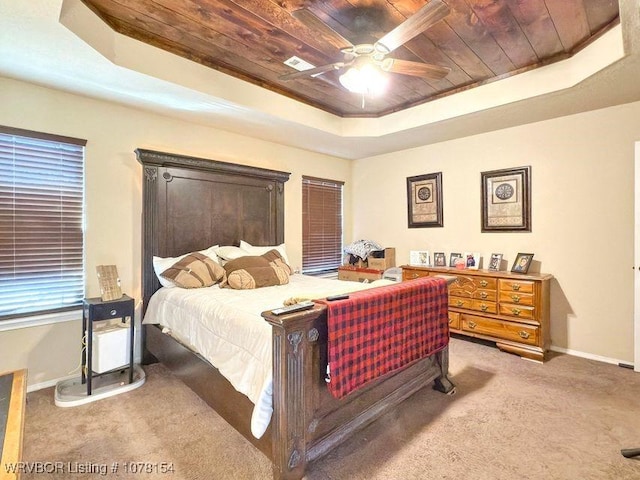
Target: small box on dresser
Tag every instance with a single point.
(509, 309)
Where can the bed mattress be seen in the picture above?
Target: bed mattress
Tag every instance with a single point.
(226, 328)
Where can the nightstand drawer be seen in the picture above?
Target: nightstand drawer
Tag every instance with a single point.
(106, 311)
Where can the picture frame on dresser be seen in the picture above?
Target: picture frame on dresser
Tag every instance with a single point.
(522, 263)
(453, 258)
(439, 259)
(424, 200)
(472, 260)
(506, 200)
(494, 262)
(420, 258)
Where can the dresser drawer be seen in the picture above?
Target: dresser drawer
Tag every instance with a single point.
(408, 274)
(484, 307)
(454, 320)
(517, 298)
(500, 329)
(488, 295)
(518, 311)
(460, 302)
(488, 283)
(522, 286)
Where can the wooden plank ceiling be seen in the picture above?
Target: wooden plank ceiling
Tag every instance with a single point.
(479, 40)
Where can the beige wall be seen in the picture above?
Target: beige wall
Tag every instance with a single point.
(113, 195)
(582, 211)
(582, 206)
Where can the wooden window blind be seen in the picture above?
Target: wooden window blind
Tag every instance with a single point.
(321, 225)
(41, 222)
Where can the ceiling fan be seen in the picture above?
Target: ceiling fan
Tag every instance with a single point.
(367, 63)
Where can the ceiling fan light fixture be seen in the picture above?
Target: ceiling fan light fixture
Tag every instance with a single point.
(366, 79)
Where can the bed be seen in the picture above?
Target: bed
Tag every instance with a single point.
(190, 204)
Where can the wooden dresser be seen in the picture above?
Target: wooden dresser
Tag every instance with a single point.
(507, 308)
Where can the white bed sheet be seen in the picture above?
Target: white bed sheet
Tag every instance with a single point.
(225, 327)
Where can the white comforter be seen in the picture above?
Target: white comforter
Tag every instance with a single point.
(226, 328)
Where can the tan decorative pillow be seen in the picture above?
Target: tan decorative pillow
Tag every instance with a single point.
(257, 271)
(257, 277)
(194, 271)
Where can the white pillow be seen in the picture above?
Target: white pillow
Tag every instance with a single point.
(261, 250)
(230, 252)
(160, 264)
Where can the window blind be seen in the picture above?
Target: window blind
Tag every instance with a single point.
(321, 225)
(41, 222)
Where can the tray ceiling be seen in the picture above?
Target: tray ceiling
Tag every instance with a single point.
(479, 40)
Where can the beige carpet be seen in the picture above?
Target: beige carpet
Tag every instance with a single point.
(510, 419)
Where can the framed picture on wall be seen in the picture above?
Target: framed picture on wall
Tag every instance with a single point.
(424, 200)
(506, 200)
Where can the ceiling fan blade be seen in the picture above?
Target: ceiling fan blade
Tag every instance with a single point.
(316, 25)
(416, 69)
(428, 15)
(312, 71)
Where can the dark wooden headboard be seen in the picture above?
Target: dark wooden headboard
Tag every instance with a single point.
(193, 203)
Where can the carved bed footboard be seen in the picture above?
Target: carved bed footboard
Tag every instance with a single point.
(307, 421)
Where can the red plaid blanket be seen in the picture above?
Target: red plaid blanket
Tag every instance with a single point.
(380, 330)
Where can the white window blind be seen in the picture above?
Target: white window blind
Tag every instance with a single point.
(321, 225)
(41, 222)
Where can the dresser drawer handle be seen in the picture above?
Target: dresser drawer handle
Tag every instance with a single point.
(515, 311)
(515, 287)
(459, 303)
(483, 307)
(483, 283)
(515, 298)
(113, 312)
(472, 325)
(524, 334)
(483, 295)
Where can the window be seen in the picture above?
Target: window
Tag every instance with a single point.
(41, 222)
(321, 225)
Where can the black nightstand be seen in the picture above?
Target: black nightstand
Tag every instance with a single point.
(95, 310)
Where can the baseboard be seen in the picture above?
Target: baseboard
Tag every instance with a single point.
(590, 356)
(49, 383)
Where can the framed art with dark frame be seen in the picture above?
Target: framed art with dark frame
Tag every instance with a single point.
(506, 200)
(495, 261)
(453, 257)
(522, 263)
(424, 200)
(439, 259)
